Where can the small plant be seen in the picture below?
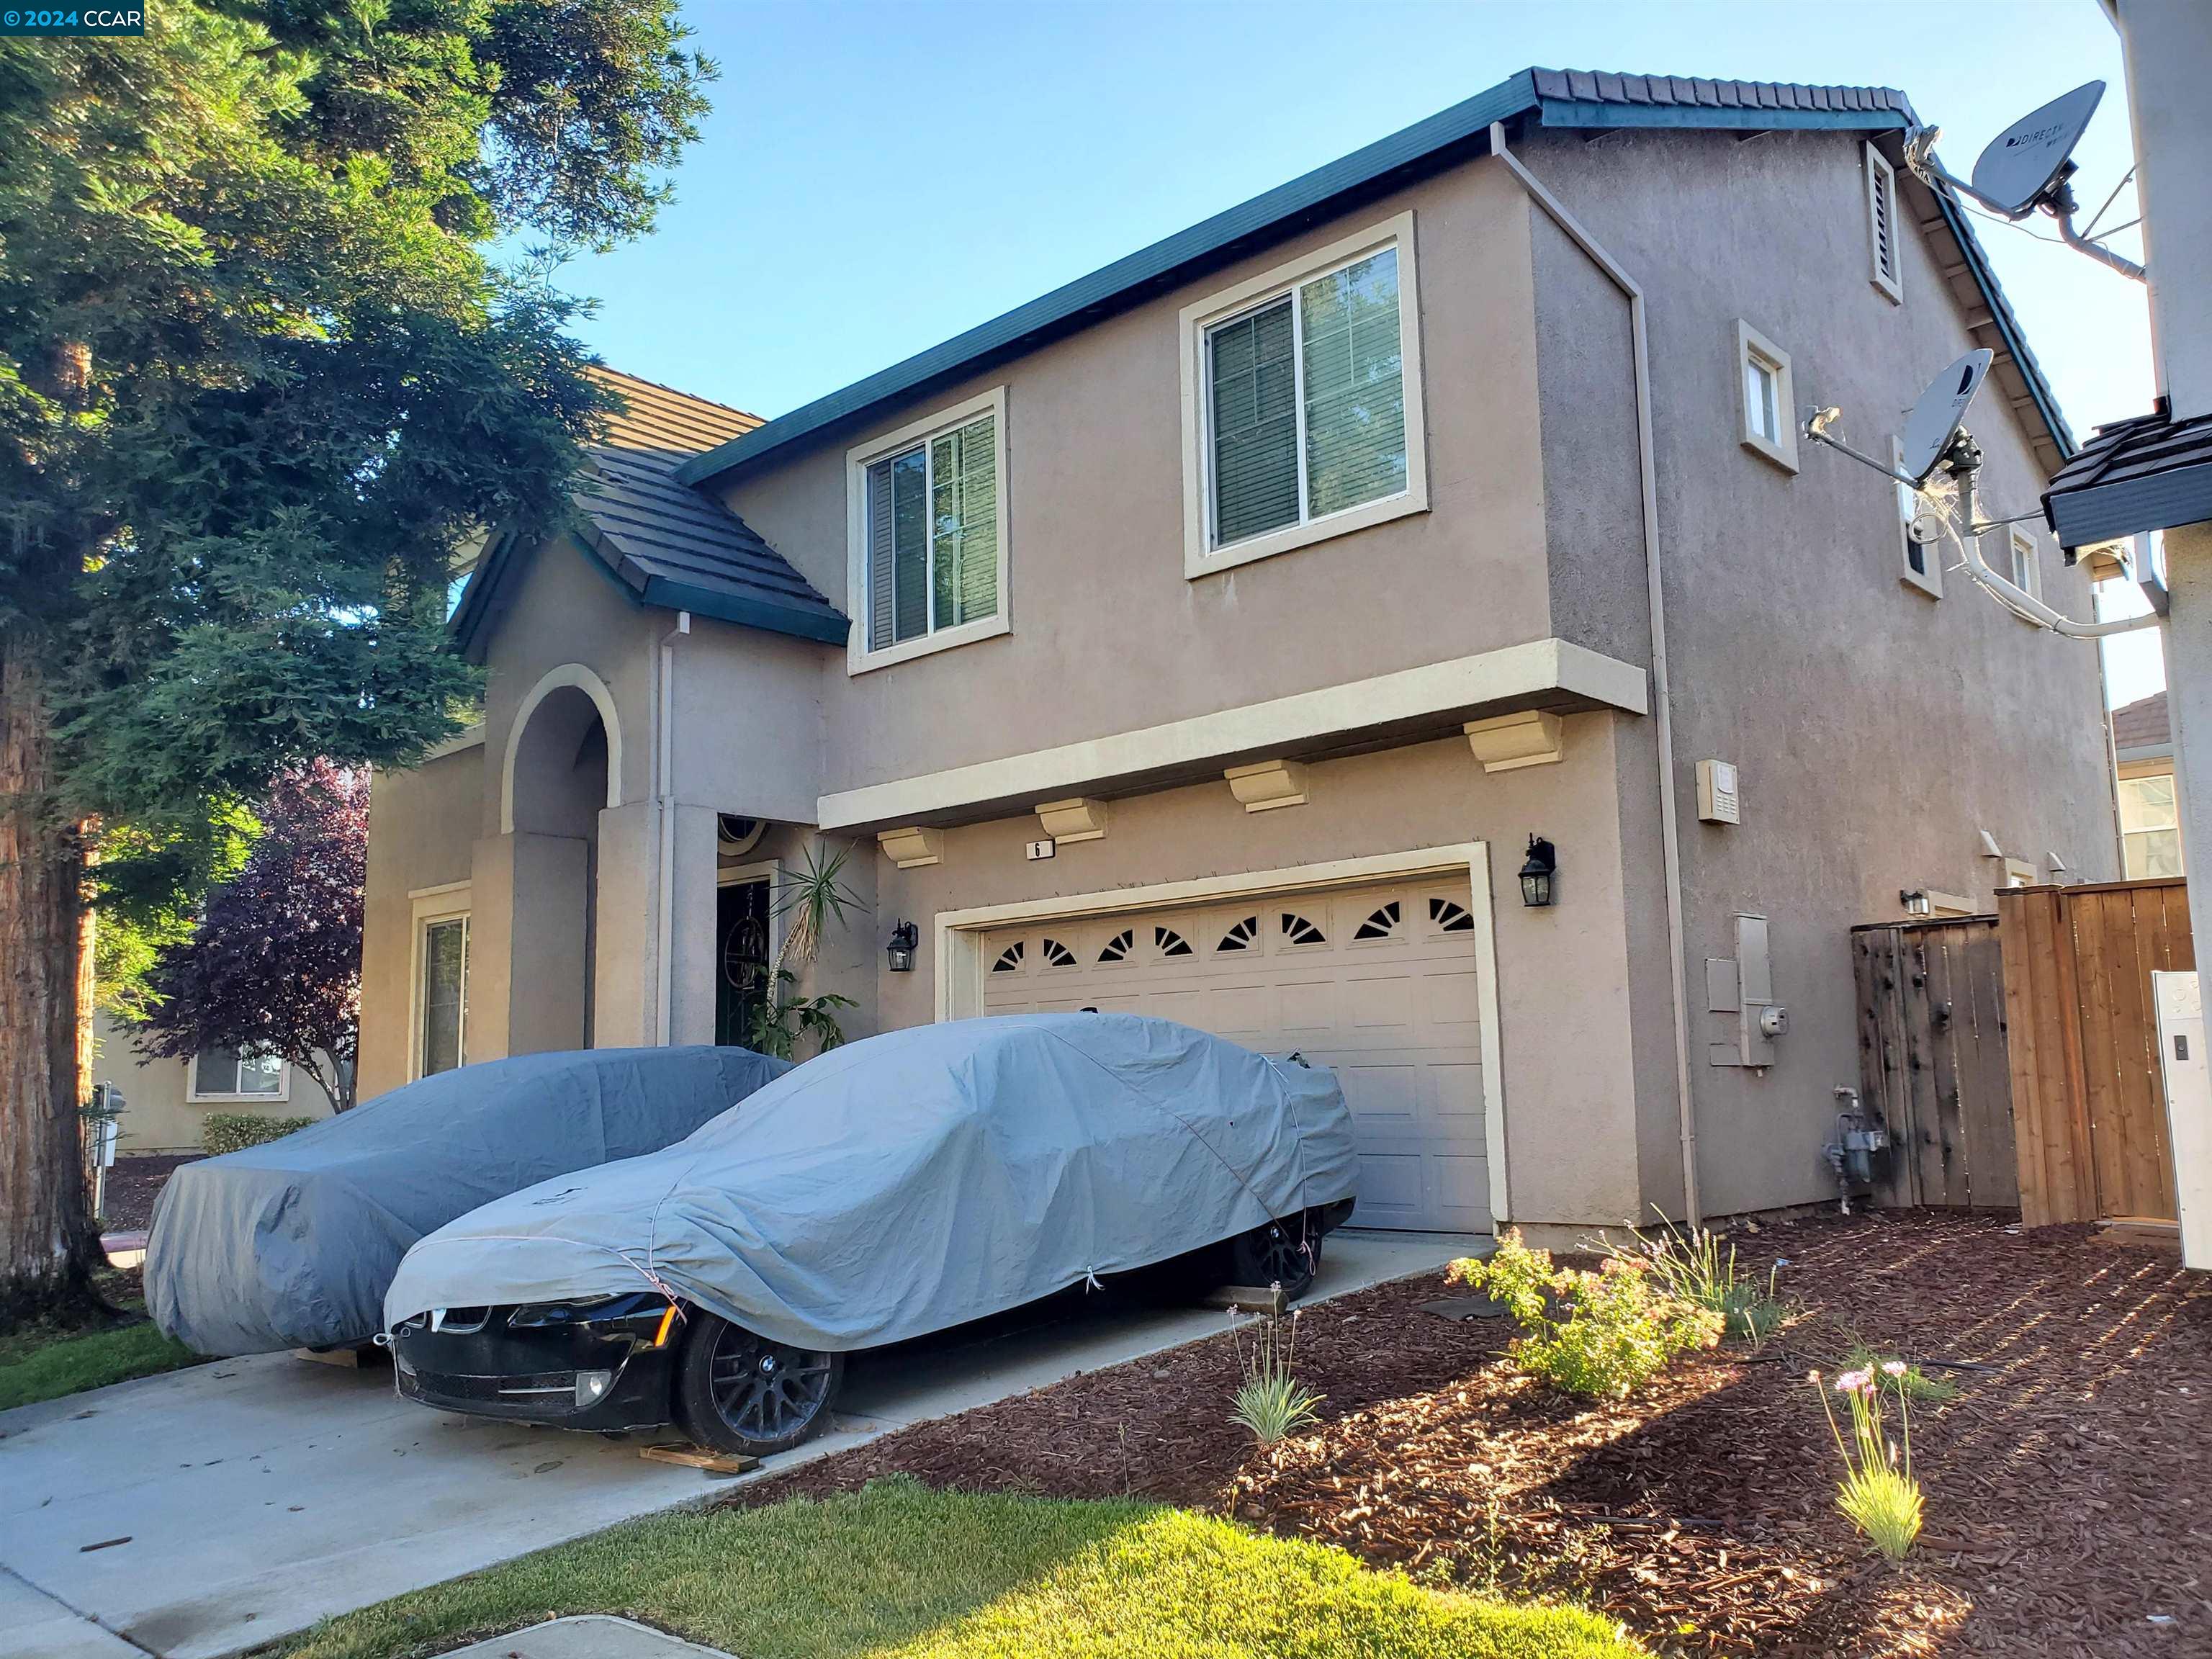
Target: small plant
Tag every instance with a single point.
(233, 1132)
(1910, 1383)
(1693, 1267)
(811, 900)
(1273, 1403)
(1603, 1334)
(1877, 1492)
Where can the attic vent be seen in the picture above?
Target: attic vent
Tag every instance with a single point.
(1881, 222)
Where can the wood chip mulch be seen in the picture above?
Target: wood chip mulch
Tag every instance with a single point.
(2069, 1487)
(133, 1184)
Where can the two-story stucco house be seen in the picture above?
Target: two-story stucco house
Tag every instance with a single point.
(1211, 636)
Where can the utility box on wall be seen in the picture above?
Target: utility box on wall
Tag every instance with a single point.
(1743, 985)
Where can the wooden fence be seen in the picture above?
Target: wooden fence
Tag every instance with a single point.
(2088, 1100)
(1933, 1059)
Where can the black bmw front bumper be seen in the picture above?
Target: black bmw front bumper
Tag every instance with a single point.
(601, 1365)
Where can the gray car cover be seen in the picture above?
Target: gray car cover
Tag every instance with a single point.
(920, 1179)
(292, 1243)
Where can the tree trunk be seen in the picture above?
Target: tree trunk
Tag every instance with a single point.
(48, 1248)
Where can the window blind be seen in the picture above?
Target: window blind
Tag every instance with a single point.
(1255, 423)
(965, 522)
(1355, 394)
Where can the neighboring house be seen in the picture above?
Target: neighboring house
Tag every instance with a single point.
(2142, 750)
(1210, 636)
(165, 1101)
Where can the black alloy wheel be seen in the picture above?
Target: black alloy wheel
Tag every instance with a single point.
(1285, 1253)
(737, 1391)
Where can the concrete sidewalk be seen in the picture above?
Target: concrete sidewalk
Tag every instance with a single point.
(203, 1511)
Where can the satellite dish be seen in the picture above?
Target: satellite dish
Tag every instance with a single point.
(2026, 162)
(1937, 413)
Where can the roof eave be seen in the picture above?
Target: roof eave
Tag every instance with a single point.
(2110, 511)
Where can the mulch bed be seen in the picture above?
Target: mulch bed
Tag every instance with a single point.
(133, 1184)
(2069, 1510)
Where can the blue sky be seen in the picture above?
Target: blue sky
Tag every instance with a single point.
(877, 177)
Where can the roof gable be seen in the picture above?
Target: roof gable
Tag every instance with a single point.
(1553, 98)
(662, 543)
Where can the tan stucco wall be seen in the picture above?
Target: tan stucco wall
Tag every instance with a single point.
(1876, 731)
(421, 826)
(1564, 1028)
(1107, 634)
(159, 1114)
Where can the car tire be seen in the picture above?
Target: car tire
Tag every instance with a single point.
(1287, 1253)
(739, 1392)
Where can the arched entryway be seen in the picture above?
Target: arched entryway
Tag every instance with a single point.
(562, 767)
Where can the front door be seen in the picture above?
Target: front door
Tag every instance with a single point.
(741, 958)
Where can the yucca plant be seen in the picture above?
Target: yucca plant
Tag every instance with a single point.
(809, 900)
(1877, 1492)
(1272, 1403)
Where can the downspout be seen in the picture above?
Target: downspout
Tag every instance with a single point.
(665, 803)
(1662, 706)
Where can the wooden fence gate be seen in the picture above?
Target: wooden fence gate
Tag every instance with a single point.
(1933, 1059)
(2088, 1096)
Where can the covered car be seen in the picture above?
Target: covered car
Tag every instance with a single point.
(897, 1186)
(292, 1243)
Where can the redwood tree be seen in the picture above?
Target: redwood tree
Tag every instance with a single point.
(274, 966)
(268, 357)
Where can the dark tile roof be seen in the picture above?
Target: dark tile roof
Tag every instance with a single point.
(662, 542)
(1571, 99)
(2142, 725)
(2152, 473)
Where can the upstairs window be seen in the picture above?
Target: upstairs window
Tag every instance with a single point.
(1303, 402)
(1881, 223)
(1922, 567)
(1770, 427)
(930, 547)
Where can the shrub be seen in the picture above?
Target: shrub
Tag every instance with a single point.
(1272, 1403)
(1877, 1491)
(1603, 1334)
(1692, 1268)
(233, 1132)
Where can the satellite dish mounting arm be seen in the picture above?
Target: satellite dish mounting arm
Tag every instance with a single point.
(2045, 140)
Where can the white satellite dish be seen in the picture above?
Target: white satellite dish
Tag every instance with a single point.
(2028, 160)
(1937, 413)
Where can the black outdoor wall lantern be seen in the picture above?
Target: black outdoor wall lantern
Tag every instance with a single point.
(904, 937)
(1538, 873)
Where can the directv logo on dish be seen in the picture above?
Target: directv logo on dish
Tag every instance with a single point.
(69, 20)
(2040, 135)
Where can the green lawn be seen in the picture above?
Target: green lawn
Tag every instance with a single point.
(45, 1361)
(899, 1572)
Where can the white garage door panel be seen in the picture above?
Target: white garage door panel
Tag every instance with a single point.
(1378, 983)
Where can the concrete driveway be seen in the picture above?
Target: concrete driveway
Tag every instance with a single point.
(203, 1512)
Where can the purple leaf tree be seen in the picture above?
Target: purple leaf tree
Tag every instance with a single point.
(274, 967)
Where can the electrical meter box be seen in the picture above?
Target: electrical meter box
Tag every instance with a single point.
(1718, 799)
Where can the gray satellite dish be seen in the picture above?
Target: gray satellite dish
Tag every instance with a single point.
(1937, 413)
(2026, 162)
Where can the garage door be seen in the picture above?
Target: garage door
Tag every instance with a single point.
(1376, 982)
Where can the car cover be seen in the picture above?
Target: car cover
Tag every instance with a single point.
(917, 1180)
(292, 1243)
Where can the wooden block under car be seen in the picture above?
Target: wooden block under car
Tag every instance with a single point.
(698, 1457)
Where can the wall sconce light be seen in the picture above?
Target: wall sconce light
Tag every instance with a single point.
(904, 937)
(1538, 873)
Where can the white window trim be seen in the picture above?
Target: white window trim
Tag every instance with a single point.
(1751, 343)
(1881, 180)
(961, 967)
(2026, 560)
(1200, 558)
(1930, 582)
(858, 660)
(196, 1096)
(446, 903)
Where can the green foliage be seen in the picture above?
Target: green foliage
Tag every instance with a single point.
(1693, 1268)
(89, 1360)
(261, 375)
(1272, 1403)
(1911, 1384)
(898, 1572)
(233, 1132)
(1603, 1334)
(1877, 1491)
(809, 900)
